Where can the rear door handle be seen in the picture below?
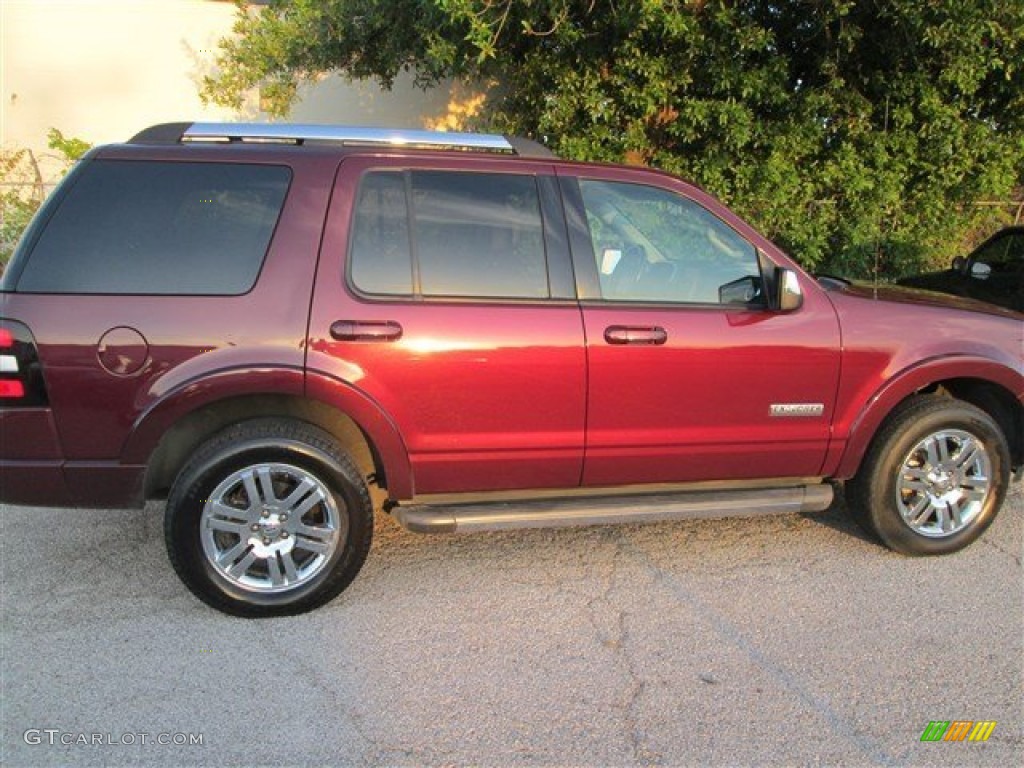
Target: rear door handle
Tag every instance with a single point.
(631, 334)
(358, 330)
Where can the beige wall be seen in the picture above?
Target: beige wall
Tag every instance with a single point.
(101, 70)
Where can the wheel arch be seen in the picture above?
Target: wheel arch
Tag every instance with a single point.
(992, 387)
(186, 434)
(169, 432)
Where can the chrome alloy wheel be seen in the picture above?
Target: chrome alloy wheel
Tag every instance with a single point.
(269, 528)
(943, 483)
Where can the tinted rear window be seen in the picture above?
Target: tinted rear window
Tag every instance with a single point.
(381, 255)
(159, 228)
(476, 235)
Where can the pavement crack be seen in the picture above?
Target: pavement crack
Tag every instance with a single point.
(615, 637)
(314, 677)
(841, 725)
(998, 548)
(637, 688)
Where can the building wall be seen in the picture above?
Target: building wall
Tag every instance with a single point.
(101, 70)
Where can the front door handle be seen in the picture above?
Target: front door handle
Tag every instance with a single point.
(631, 334)
(359, 330)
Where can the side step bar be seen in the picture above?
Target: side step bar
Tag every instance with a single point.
(578, 511)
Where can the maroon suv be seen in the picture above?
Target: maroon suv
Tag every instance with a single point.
(262, 322)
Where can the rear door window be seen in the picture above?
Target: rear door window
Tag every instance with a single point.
(449, 234)
(141, 227)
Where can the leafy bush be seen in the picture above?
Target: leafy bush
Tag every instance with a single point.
(855, 134)
(23, 188)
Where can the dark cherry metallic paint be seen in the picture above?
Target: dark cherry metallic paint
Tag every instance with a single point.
(896, 344)
(478, 396)
(105, 417)
(486, 396)
(697, 407)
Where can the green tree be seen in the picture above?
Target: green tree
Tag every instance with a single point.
(856, 134)
(23, 188)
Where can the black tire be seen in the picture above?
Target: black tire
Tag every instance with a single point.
(905, 499)
(240, 548)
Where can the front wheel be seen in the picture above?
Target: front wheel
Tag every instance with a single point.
(270, 518)
(933, 479)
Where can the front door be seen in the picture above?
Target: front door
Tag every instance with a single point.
(691, 376)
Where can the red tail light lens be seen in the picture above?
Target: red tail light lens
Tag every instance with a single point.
(11, 389)
(21, 375)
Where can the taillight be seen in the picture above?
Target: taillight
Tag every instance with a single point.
(21, 376)
(12, 389)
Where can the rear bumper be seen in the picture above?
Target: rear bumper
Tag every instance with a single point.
(71, 484)
(105, 485)
(31, 463)
(34, 484)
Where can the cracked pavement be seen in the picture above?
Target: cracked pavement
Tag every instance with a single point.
(789, 640)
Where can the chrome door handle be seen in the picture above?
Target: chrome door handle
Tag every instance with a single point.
(358, 330)
(631, 334)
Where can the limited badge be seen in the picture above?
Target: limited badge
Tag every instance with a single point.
(797, 409)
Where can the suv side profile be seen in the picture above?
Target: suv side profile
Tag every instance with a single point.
(263, 323)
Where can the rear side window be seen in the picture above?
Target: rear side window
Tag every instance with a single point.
(449, 234)
(159, 228)
(381, 260)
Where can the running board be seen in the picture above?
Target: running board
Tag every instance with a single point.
(578, 511)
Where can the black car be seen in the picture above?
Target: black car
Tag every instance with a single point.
(994, 272)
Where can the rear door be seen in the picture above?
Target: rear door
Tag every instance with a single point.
(445, 294)
(691, 376)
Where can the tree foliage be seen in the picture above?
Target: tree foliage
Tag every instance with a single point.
(23, 187)
(853, 133)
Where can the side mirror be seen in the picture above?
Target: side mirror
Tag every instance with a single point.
(745, 291)
(980, 270)
(790, 296)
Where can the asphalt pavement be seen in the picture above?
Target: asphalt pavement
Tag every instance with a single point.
(788, 640)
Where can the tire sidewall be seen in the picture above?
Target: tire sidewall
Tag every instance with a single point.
(885, 516)
(194, 487)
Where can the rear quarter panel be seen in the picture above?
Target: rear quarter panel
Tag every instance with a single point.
(199, 347)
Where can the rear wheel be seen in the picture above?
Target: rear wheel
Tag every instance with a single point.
(933, 479)
(269, 518)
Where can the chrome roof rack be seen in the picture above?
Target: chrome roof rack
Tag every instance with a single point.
(354, 136)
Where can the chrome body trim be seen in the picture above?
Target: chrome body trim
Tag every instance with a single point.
(348, 135)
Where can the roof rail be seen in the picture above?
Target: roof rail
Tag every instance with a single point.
(293, 133)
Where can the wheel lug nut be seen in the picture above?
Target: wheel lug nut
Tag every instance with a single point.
(265, 513)
(255, 526)
(284, 534)
(284, 518)
(266, 539)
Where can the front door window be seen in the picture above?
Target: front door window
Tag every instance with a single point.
(655, 246)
